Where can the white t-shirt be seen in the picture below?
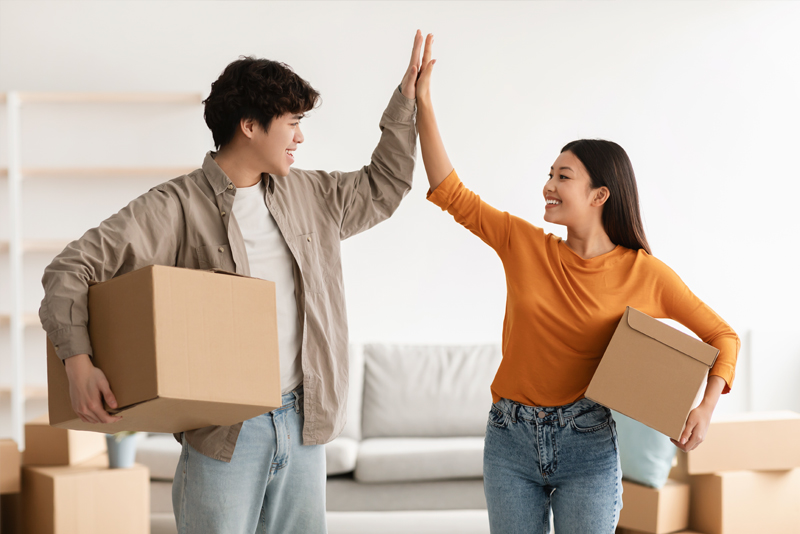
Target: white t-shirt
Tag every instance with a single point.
(270, 259)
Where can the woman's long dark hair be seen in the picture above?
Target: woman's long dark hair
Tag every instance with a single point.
(608, 165)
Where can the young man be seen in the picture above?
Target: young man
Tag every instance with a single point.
(246, 211)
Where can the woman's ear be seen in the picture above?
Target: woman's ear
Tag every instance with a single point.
(600, 196)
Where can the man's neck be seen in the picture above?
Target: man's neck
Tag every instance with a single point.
(237, 167)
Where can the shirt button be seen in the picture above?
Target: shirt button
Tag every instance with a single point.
(221, 249)
(230, 186)
(542, 415)
(222, 213)
(308, 239)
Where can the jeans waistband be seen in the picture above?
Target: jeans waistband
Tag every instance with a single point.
(547, 414)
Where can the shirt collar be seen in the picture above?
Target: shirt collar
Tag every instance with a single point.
(219, 180)
(214, 174)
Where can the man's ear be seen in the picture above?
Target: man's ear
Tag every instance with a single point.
(600, 196)
(248, 126)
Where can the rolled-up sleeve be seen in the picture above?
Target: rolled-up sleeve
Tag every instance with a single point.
(145, 232)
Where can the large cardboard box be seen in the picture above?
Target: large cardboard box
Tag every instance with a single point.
(652, 372)
(48, 445)
(755, 441)
(655, 511)
(86, 499)
(9, 466)
(745, 502)
(181, 349)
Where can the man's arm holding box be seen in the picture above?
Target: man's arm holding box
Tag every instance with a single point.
(145, 232)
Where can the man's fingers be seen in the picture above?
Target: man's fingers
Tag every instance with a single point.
(415, 52)
(426, 56)
(109, 397)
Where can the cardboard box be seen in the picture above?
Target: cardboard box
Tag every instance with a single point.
(86, 499)
(655, 511)
(755, 441)
(48, 445)
(11, 513)
(651, 372)
(745, 502)
(9, 466)
(181, 349)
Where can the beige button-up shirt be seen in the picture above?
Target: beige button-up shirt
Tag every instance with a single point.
(188, 222)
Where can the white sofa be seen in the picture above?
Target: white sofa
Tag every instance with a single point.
(410, 453)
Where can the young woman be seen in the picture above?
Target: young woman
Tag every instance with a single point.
(546, 444)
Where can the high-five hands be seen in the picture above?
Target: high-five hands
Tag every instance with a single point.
(410, 84)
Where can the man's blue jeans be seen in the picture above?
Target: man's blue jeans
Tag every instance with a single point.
(565, 457)
(272, 484)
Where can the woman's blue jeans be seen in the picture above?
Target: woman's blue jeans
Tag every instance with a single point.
(564, 457)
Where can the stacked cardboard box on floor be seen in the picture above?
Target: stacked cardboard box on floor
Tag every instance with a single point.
(654, 511)
(67, 486)
(743, 479)
(10, 476)
(745, 476)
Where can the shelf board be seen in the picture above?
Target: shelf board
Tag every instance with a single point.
(38, 245)
(106, 172)
(109, 98)
(31, 392)
(28, 319)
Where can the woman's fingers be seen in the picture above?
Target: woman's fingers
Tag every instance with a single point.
(426, 56)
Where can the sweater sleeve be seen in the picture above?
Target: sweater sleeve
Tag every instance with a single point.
(681, 305)
(491, 225)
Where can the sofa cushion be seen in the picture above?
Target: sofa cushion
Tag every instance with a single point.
(409, 459)
(343, 494)
(161, 453)
(427, 391)
(340, 456)
(645, 454)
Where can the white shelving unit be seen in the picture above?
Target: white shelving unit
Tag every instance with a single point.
(17, 319)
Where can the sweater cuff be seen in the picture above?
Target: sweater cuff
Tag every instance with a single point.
(71, 341)
(725, 372)
(443, 194)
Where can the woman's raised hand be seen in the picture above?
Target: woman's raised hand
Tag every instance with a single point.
(424, 78)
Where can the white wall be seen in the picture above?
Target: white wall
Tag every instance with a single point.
(703, 96)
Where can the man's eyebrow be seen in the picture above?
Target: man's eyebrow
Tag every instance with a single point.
(299, 116)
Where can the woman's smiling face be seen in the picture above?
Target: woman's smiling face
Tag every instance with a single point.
(568, 191)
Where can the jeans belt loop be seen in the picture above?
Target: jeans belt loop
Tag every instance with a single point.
(514, 411)
(296, 400)
(561, 420)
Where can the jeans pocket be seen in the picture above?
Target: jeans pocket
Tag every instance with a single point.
(498, 418)
(591, 421)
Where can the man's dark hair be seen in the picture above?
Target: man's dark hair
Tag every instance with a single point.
(257, 89)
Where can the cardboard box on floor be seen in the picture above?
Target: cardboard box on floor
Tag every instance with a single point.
(746, 502)
(629, 531)
(9, 466)
(754, 441)
(651, 372)
(181, 349)
(655, 511)
(88, 498)
(48, 445)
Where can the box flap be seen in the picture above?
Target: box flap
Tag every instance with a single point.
(655, 329)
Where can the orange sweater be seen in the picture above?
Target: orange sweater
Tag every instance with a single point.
(561, 309)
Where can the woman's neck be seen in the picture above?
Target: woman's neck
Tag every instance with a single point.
(589, 243)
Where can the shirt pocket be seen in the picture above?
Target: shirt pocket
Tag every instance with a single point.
(214, 257)
(310, 258)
